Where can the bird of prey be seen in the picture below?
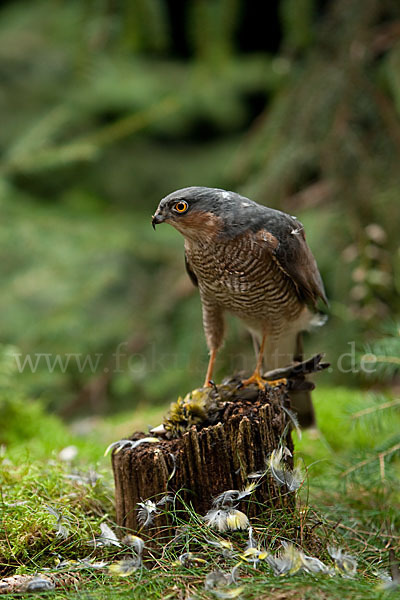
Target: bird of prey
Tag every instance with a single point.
(252, 261)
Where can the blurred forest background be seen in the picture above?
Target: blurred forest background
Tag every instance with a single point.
(107, 106)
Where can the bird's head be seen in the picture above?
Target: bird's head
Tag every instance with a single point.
(196, 212)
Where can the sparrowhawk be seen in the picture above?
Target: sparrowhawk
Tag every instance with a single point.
(250, 260)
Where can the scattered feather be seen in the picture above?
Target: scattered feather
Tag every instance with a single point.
(135, 542)
(107, 537)
(251, 541)
(224, 519)
(257, 474)
(68, 453)
(66, 565)
(148, 509)
(120, 444)
(61, 529)
(88, 563)
(215, 579)
(180, 532)
(218, 578)
(345, 564)
(146, 512)
(232, 496)
(125, 567)
(252, 552)
(228, 593)
(293, 560)
(314, 565)
(81, 563)
(388, 583)
(254, 555)
(159, 430)
(173, 467)
(295, 422)
(234, 572)
(236, 520)
(216, 518)
(281, 473)
(165, 500)
(90, 479)
(225, 546)
(288, 562)
(188, 559)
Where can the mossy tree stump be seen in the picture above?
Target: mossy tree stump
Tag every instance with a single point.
(208, 460)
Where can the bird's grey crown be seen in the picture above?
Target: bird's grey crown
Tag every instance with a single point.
(238, 213)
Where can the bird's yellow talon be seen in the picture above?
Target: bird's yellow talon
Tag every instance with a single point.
(257, 379)
(276, 382)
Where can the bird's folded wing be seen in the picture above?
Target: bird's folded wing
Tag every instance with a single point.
(292, 254)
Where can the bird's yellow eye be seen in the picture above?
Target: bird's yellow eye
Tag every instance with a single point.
(181, 206)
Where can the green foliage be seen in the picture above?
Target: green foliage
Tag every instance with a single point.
(212, 27)
(298, 19)
(20, 419)
(348, 511)
(354, 467)
(96, 72)
(381, 359)
(101, 121)
(103, 117)
(27, 489)
(328, 146)
(351, 423)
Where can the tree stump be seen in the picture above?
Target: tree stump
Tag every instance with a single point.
(208, 459)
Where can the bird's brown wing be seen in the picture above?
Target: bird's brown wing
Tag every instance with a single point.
(297, 260)
(292, 254)
(190, 272)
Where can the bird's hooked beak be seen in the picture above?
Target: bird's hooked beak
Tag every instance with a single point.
(158, 218)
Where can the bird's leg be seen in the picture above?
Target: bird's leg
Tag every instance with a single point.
(256, 377)
(213, 323)
(210, 368)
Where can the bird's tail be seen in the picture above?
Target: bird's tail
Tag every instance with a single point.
(301, 398)
(289, 349)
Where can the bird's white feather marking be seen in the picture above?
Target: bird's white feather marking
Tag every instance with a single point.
(296, 231)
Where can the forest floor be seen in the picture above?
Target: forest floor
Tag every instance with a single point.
(57, 492)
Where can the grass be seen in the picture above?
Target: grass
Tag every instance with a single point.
(356, 511)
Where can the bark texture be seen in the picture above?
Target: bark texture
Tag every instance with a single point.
(207, 461)
(245, 426)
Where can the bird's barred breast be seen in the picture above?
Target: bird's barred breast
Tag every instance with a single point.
(241, 277)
